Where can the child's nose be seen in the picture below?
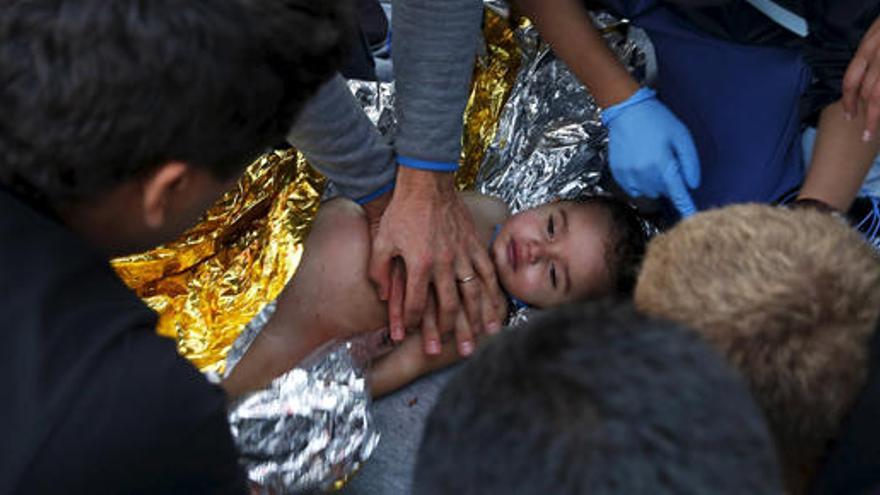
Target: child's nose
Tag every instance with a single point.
(537, 251)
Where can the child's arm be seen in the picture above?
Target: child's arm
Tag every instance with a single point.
(841, 159)
(407, 362)
(329, 297)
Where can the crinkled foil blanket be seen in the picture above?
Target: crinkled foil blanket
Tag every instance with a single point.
(532, 133)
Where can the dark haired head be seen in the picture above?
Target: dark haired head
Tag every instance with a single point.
(97, 92)
(596, 399)
(626, 246)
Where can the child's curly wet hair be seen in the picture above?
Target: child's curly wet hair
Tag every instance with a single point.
(626, 246)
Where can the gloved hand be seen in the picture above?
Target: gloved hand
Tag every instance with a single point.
(651, 152)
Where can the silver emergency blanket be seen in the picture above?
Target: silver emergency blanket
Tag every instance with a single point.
(312, 427)
(550, 141)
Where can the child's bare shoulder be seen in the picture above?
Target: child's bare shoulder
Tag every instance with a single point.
(340, 221)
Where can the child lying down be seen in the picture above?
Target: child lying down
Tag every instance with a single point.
(546, 256)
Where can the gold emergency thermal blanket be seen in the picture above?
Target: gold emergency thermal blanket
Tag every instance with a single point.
(207, 285)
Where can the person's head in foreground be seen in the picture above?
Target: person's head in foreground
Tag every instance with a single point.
(596, 399)
(128, 118)
(790, 297)
(569, 250)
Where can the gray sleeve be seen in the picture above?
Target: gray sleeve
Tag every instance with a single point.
(434, 46)
(338, 139)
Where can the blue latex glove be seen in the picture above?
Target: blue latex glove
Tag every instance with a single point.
(651, 152)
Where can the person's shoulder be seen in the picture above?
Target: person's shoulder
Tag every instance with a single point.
(340, 224)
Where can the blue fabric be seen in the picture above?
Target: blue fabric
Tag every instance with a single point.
(427, 165)
(740, 102)
(375, 194)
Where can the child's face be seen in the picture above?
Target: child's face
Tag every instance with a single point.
(554, 253)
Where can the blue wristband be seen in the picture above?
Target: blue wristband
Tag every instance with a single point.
(639, 96)
(426, 165)
(375, 194)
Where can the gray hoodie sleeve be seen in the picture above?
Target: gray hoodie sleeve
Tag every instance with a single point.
(338, 139)
(434, 45)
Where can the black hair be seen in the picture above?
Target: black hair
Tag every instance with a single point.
(626, 246)
(96, 92)
(595, 398)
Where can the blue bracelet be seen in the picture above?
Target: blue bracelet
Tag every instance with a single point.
(375, 194)
(426, 165)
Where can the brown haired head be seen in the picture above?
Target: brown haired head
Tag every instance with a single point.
(791, 297)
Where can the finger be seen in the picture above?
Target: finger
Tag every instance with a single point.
(471, 292)
(852, 83)
(492, 319)
(872, 116)
(688, 159)
(872, 77)
(464, 337)
(395, 302)
(416, 294)
(448, 299)
(872, 103)
(679, 195)
(430, 335)
(380, 268)
(494, 302)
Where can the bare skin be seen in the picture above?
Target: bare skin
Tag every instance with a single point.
(331, 295)
(432, 232)
(861, 84)
(559, 256)
(841, 159)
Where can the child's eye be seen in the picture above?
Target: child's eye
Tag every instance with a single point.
(553, 275)
(551, 229)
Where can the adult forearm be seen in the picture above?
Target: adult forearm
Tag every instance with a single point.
(567, 26)
(340, 141)
(435, 43)
(841, 159)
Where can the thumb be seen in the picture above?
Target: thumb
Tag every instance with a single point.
(678, 194)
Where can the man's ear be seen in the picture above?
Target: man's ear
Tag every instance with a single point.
(161, 189)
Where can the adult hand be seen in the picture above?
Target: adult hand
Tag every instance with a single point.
(428, 226)
(861, 83)
(651, 152)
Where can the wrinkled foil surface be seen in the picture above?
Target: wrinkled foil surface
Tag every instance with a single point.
(210, 283)
(311, 427)
(550, 142)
